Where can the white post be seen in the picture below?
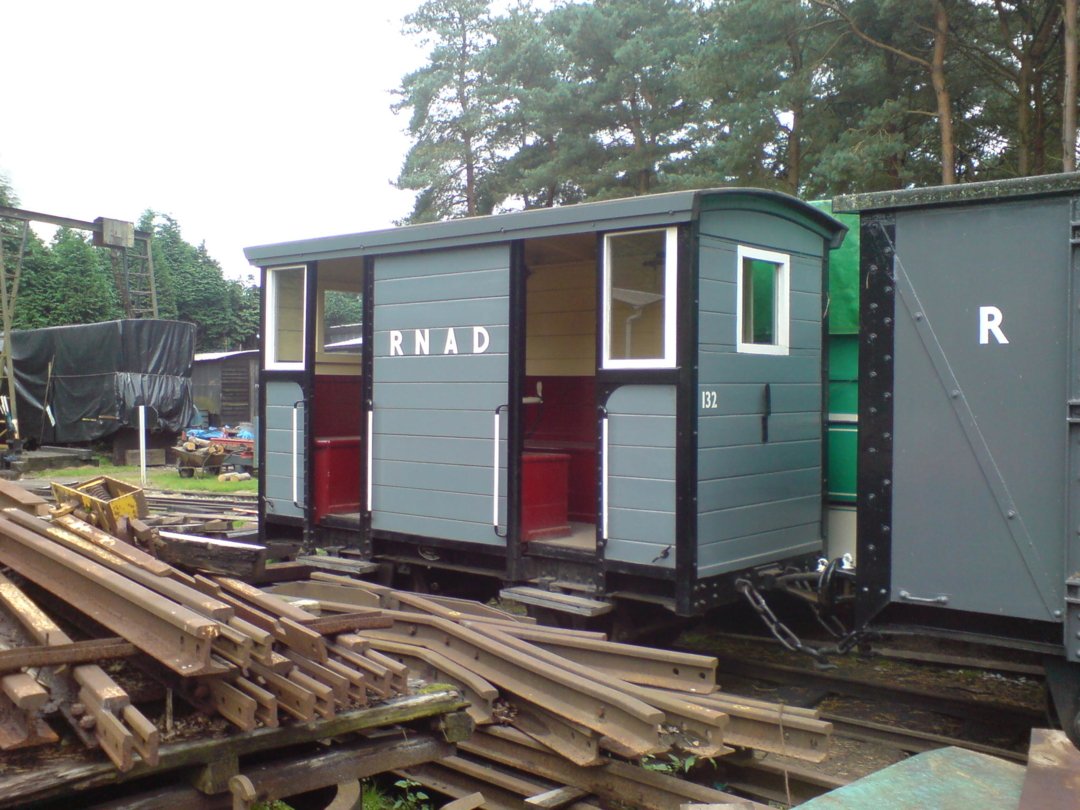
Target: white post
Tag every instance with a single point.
(142, 445)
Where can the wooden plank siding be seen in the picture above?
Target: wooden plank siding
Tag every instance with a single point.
(641, 475)
(433, 408)
(278, 474)
(758, 500)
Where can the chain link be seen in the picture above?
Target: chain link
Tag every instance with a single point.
(786, 636)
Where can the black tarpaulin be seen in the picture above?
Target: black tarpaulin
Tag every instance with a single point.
(93, 378)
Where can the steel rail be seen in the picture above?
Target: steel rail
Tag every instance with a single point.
(910, 740)
(420, 660)
(927, 699)
(105, 540)
(700, 728)
(119, 727)
(772, 728)
(173, 634)
(120, 563)
(627, 724)
(644, 666)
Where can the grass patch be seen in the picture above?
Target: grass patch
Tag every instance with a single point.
(162, 478)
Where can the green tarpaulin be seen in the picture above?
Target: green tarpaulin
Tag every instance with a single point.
(843, 276)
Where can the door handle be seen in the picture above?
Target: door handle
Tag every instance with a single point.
(296, 454)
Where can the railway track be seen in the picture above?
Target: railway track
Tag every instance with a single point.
(874, 713)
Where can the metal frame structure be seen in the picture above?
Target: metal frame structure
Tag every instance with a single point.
(139, 299)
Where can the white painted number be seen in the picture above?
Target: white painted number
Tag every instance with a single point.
(990, 319)
(708, 400)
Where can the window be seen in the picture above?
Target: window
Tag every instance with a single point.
(639, 299)
(341, 321)
(286, 304)
(763, 292)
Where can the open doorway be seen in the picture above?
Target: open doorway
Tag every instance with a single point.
(336, 418)
(558, 476)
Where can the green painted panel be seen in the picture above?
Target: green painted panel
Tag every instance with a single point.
(431, 449)
(630, 462)
(641, 445)
(421, 475)
(436, 410)
(465, 285)
(276, 481)
(437, 368)
(749, 490)
(725, 462)
(444, 265)
(716, 431)
(728, 367)
(448, 396)
(843, 459)
(944, 779)
(437, 314)
(844, 397)
(725, 524)
(641, 431)
(643, 493)
(755, 549)
(738, 398)
(438, 422)
(441, 501)
(844, 357)
(759, 230)
(423, 526)
(644, 553)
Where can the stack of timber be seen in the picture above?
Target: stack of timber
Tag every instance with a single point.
(563, 714)
(222, 645)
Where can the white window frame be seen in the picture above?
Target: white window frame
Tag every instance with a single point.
(271, 318)
(782, 309)
(671, 261)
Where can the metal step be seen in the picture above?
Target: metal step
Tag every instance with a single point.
(562, 602)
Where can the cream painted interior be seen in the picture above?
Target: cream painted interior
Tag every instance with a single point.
(288, 315)
(560, 304)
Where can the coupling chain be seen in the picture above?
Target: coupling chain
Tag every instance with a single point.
(784, 634)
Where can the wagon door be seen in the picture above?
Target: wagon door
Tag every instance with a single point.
(283, 485)
(441, 371)
(286, 444)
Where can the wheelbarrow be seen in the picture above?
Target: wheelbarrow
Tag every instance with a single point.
(200, 461)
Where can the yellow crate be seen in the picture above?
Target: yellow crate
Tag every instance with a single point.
(105, 498)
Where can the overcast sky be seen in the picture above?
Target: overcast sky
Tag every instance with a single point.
(249, 122)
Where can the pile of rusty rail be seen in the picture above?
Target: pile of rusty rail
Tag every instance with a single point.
(224, 646)
(564, 709)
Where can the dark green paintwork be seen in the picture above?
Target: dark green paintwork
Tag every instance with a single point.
(650, 210)
(961, 193)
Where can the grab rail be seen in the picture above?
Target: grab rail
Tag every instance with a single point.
(296, 455)
(370, 442)
(495, 473)
(604, 476)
